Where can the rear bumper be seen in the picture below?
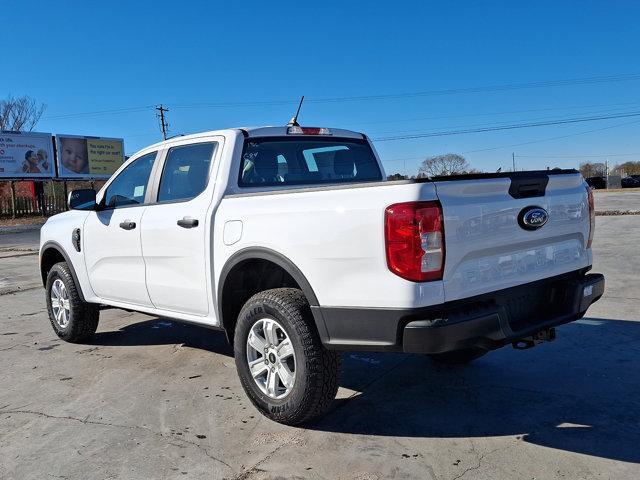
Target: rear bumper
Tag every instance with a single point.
(487, 321)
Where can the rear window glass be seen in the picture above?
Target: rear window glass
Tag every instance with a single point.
(300, 161)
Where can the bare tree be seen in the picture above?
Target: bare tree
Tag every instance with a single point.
(588, 169)
(447, 164)
(396, 176)
(22, 113)
(627, 168)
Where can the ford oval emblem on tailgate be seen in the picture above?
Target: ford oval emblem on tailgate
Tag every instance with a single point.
(532, 218)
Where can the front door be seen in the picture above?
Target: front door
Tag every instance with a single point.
(112, 247)
(174, 231)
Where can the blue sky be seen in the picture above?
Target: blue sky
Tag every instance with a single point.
(81, 57)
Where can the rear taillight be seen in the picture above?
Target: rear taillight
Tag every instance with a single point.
(414, 240)
(592, 216)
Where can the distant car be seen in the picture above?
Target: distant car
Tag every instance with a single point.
(632, 181)
(596, 182)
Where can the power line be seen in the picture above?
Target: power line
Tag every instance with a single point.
(482, 89)
(505, 127)
(143, 108)
(540, 140)
(99, 112)
(549, 155)
(548, 139)
(440, 117)
(496, 88)
(452, 91)
(615, 111)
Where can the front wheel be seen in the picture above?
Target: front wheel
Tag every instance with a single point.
(73, 319)
(284, 369)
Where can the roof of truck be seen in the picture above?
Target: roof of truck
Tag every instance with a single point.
(267, 131)
(283, 131)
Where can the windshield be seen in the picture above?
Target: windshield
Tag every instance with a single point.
(299, 161)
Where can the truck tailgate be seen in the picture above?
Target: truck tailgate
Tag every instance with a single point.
(488, 249)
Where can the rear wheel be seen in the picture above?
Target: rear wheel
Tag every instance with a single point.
(458, 357)
(73, 319)
(283, 366)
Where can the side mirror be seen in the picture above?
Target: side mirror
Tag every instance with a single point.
(83, 199)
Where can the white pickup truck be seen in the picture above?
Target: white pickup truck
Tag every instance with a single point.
(291, 240)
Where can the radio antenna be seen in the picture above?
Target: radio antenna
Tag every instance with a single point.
(294, 120)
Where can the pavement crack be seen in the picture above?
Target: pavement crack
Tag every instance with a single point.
(84, 421)
(249, 472)
(479, 459)
(202, 448)
(474, 467)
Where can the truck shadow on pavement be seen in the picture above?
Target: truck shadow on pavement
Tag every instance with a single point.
(580, 393)
(157, 331)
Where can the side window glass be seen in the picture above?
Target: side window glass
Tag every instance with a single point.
(186, 172)
(130, 186)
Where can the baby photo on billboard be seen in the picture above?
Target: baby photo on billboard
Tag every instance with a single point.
(73, 154)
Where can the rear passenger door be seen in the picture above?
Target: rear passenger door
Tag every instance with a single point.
(175, 229)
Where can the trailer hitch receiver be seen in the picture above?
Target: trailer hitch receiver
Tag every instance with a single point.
(546, 335)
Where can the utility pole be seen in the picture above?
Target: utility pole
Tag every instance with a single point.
(164, 126)
(513, 160)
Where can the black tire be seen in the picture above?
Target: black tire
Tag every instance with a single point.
(316, 368)
(458, 357)
(83, 316)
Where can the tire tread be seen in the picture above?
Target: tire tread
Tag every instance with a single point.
(84, 316)
(322, 365)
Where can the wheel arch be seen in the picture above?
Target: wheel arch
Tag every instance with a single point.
(243, 258)
(50, 254)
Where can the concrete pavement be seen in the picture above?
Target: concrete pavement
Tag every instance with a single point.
(149, 398)
(617, 200)
(19, 261)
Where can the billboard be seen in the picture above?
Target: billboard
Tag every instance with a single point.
(26, 155)
(88, 157)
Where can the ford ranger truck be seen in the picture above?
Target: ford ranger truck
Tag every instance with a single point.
(292, 241)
